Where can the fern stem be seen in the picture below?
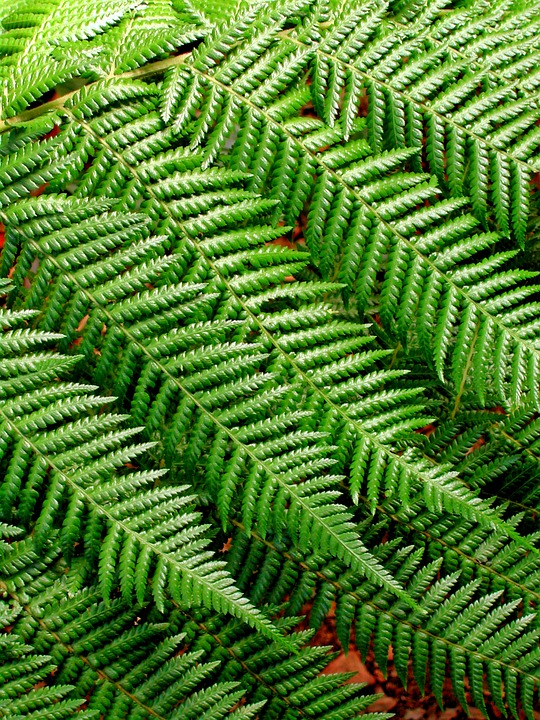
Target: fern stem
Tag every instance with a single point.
(465, 373)
(155, 68)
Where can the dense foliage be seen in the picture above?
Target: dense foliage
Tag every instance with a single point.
(270, 347)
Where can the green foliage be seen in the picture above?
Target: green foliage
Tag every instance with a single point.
(471, 628)
(66, 464)
(142, 662)
(263, 292)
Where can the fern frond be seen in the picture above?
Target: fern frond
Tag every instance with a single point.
(183, 206)
(137, 662)
(364, 217)
(21, 670)
(65, 463)
(458, 621)
(32, 31)
(143, 212)
(188, 404)
(204, 378)
(483, 141)
(458, 79)
(438, 287)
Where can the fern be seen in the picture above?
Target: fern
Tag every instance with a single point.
(453, 621)
(191, 406)
(62, 461)
(135, 661)
(199, 225)
(45, 44)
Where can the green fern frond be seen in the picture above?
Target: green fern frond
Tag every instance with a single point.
(204, 378)
(482, 141)
(457, 621)
(21, 670)
(458, 78)
(222, 193)
(359, 214)
(139, 663)
(438, 288)
(32, 31)
(65, 463)
(183, 205)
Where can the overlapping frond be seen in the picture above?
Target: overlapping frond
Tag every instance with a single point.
(229, 399)
(457, 621)
(21, 669)
(31, 34)
(151, 31)
(467, 80)
(422, 264)
(136, 662)
(457, 81)
(45, 44)
(361, 207)
(65, 462)
(235, 288)
(477, 553)
(155, 251)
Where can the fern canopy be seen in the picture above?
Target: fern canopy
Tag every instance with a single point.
(267, 289)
